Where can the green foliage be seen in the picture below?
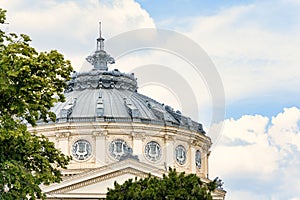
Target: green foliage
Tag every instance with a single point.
(173, 186)
(29, 80)
(30, 84)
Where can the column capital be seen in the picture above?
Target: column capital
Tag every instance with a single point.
(140, 135)
(169, 138)
(205, 147)
(62, 135)
(99, 133)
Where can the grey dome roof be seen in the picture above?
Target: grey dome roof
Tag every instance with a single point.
(111, 96)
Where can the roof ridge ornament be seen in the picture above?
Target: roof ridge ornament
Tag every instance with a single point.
(100, 57)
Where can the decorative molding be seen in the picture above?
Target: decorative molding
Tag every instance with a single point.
(99, 133)
(122, 123)
(88, 138)
(110, 139)
(62, 135)
(138, 135)
(102, 79)
(205, 147)
(169, 138)
(192, 142)
(110, 126)
(161, 144)
(115, 174)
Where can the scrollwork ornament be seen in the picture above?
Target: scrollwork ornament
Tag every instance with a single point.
(118, 148)
(153, 151)
(180, 154)
(81, 149)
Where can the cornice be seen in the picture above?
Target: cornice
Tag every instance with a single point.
(103, 173)
(135, 130)
(100, 179)
(96, 126)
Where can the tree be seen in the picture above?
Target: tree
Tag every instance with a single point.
(30, 84)
(173, 186)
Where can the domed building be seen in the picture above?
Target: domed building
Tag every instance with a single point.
(115, 133)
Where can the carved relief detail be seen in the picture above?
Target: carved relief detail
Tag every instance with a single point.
(169, 138)
(138, 135)
(99, 133)
(63, 135)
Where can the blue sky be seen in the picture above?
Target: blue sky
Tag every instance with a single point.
(186, 8)
(254, 46)
(282, 19)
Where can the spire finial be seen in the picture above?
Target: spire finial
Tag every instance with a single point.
(100, 32)
(100, 40)
(100, 58)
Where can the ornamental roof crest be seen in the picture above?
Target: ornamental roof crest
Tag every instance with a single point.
(100, 57)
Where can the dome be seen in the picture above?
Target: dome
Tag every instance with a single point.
(101, 95)
(111, 96)
(114, 133)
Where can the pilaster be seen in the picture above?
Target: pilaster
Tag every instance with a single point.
(137, 143)
(192, 156)
(169, 150)
(100, 149)
(62, 139)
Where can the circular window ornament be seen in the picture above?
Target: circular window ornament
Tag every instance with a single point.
(180, 153)
(118, 148)
(152, 151)
(81, 150)
(198, 159)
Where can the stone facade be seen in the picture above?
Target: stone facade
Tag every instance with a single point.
(136, 135)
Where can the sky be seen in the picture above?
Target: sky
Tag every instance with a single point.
(254, 47)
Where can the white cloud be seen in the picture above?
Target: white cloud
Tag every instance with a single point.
(262, 151)
(254, 56)
(253, 59)
(163, 77)
(254, 49)
(72, 26)
(254, 46)
(285, 129)
(243, 142)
